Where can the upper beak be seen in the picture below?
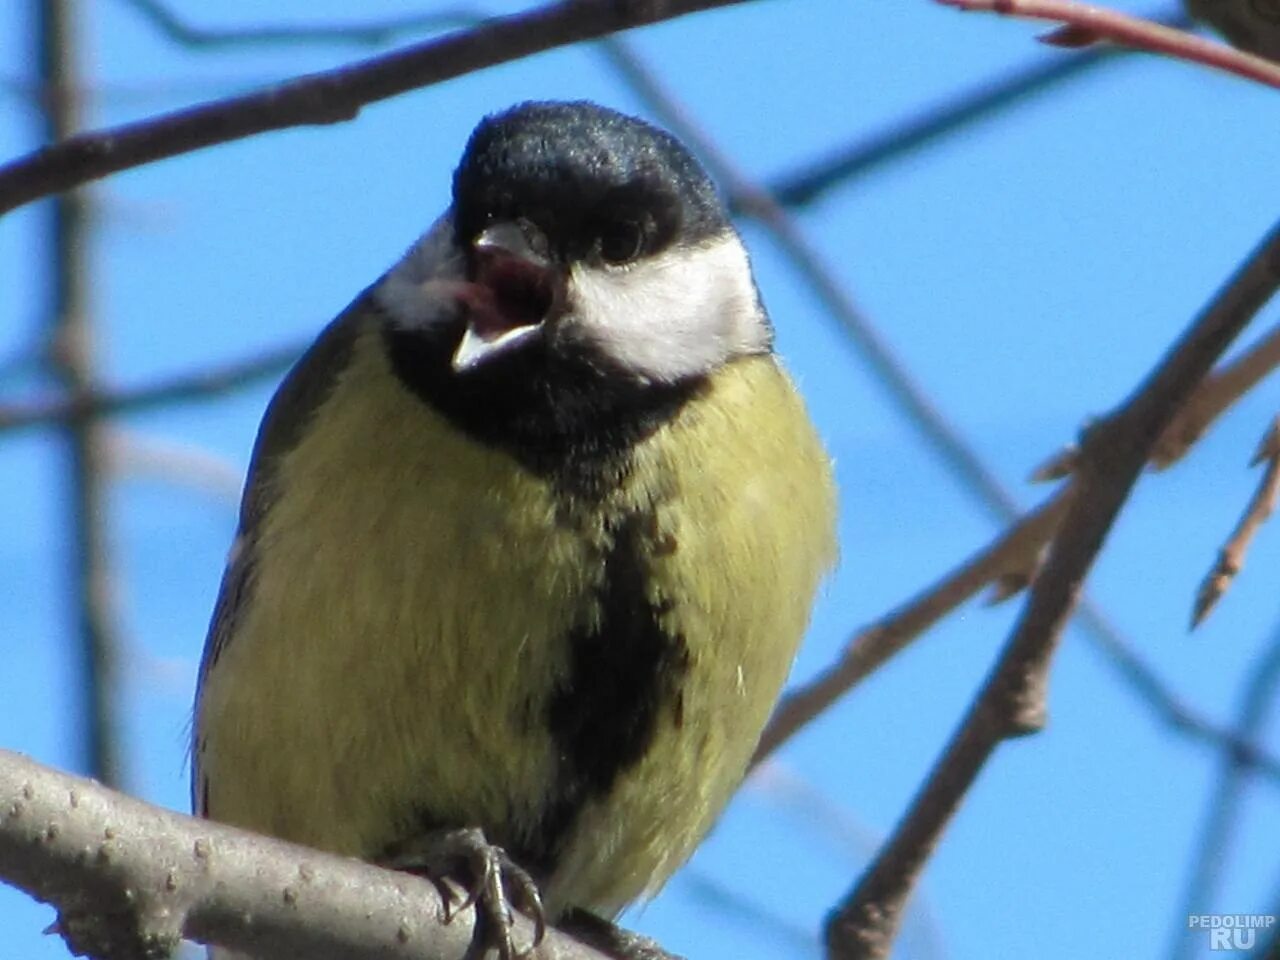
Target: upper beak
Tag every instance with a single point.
(517, 286)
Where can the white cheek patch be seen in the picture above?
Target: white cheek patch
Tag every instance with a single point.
(678, 314)
(417, 291)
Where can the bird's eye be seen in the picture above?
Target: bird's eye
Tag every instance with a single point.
(621, 241)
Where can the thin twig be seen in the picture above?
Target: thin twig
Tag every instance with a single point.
(1261, 505)
(954, 451)
(70, 359)
(1083, 24)
(331, 96)
(812, 180)
(1219, 391)
(1013, 698)
(1222, 813)
(184, 388)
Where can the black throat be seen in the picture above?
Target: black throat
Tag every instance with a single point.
(566, 418)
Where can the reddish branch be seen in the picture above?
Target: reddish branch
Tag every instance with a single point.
(1084, 24)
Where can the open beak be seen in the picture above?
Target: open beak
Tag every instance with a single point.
(514, 289)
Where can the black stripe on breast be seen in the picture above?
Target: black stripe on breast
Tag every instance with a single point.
(625, 678)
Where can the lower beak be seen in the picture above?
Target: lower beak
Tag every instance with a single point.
(515, 287)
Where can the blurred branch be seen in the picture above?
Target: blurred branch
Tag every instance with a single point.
(1222, 815)
(959, 457)
(1219, 391)
(135, 455)
(129, 880)
(1084, 24)
(22, 361)
(839, 831)
(1261, 504)
(330, 96)
(70, 359)
(1012, 701)
(812, 180)
(372, 32)
(201, 385)
(734, 907)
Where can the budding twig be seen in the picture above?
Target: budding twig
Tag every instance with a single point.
(1261, 505)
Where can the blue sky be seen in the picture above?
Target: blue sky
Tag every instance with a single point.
(1028, 271)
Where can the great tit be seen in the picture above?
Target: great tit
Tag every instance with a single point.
(529, 538)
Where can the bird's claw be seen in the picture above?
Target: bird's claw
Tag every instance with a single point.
(491, 881)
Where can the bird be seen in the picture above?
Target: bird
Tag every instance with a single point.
(529, 538)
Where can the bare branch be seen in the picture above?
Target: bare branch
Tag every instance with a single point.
(1013, 699)
(129, 880)
(1083, 24)
(1260, 507)
(330, 96)
(1215, 396)
(201, 385)
(1219, 391)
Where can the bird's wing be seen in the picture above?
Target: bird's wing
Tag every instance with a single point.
(303, 390)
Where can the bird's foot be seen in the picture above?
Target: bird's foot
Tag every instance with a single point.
(490, 878)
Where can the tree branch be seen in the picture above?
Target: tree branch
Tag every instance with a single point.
(1220, 390)
(182, 388)
(1084, 24)
(1012, 701)
(1231, 557)
(129, 880)
(330, 96)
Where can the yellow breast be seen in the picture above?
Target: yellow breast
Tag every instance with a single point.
(409, 610)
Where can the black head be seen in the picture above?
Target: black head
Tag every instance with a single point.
(596, 183)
